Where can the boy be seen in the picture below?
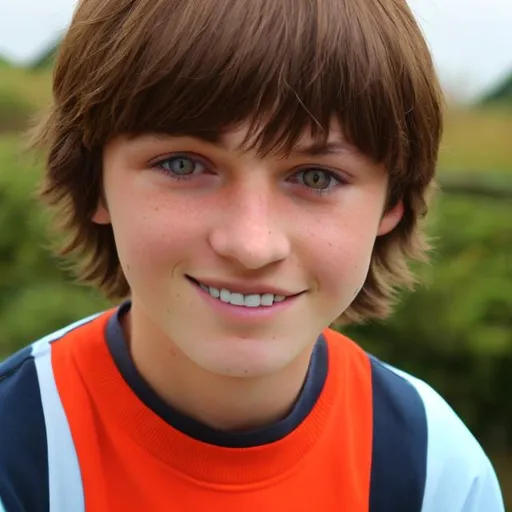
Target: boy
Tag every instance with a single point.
(187, 142)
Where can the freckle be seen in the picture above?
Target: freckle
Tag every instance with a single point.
(168, 310)
(246, 372)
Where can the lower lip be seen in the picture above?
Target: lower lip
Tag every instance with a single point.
(243, 312)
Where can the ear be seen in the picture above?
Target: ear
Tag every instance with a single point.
(391, 218)
(101, 215)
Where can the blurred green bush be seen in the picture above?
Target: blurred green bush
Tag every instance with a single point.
(36, 294)
(455, 330)
(15, 110)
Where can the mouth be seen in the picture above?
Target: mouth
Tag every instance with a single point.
(247, 300)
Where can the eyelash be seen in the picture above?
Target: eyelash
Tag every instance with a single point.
(335, 179)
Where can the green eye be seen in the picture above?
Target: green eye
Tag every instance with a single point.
(180, 165)
(317, 179)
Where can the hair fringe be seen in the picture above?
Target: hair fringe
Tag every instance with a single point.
(129, 67)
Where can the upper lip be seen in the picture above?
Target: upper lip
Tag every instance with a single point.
(244, 287)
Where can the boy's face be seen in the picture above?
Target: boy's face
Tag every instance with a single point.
(192, 218)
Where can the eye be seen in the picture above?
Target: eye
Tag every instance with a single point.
(319, 180)
(181, 166)
(316, 178)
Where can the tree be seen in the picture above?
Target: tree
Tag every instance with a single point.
(502, 92)
(46, 58)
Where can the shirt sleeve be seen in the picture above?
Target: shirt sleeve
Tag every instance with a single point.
(23, 454)
(485, 492)
(460, 476)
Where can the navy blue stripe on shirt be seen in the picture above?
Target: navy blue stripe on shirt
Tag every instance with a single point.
(399, 462)
(23, 448)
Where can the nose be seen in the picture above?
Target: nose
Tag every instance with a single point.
(248, 231)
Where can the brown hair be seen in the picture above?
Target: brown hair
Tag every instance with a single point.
(196, 67)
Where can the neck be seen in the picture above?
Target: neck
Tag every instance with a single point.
(220, 402)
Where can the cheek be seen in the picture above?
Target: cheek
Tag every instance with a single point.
(340, 254)
(345, 266)
(152, 237)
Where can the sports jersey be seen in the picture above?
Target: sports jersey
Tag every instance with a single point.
(80, 430)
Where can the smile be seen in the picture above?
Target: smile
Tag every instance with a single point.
(235, 298)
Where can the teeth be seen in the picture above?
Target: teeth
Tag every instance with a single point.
(237, 299)
(253, 300)
(214, 292)
(267, 299)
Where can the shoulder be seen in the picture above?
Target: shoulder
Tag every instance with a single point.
(458, 474)
(23, 456)
(423, 456)
(29, 404)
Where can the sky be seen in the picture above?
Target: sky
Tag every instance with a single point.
(471, 40)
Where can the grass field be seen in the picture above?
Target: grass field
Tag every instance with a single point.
(32, 86)
(477, 140)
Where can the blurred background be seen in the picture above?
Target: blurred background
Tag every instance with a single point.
(455, 331)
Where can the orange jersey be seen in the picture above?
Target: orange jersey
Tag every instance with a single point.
(96, 438)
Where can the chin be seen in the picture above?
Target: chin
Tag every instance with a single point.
(242, 359)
